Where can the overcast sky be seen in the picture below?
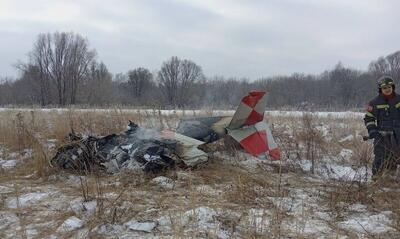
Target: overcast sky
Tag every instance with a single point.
(238, 38)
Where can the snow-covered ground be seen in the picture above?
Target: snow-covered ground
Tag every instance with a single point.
(345, 114)
(234, 196)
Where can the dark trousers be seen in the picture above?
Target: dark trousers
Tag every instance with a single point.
(386, 150)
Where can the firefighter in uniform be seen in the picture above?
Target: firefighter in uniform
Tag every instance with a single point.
(383, 124)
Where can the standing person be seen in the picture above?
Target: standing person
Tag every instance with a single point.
(383, 124)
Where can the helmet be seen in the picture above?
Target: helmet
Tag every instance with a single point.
(385, 81)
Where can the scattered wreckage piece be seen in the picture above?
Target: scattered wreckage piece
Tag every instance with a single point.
(247, 127)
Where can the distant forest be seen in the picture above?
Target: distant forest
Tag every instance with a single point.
(63, 70)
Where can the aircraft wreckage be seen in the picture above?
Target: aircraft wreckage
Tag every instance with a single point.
(153, 151)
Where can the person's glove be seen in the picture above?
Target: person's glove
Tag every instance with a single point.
(375, 135)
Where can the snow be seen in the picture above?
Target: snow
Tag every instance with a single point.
(346, 139)
(146, 226)
(8, 219)
(71, 224)
(324, 130)
(12, 159)
(259, 220)
(333, 170)
(365, 223)
(345, 114)
(75, 180)
(207, 190)
(51, 144)
(6, 189)
(79, 207)
(203, 216)
(28, 199)
(329, 115)
(163, 182)
(127, 147)
(203, 219)
(346, 154)
(8, 164)
(306, 214)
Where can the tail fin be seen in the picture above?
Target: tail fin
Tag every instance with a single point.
(248, 128)
(250, 110)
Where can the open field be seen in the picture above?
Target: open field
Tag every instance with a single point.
(321, 188)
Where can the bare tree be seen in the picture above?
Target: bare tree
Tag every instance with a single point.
(40, 87)
(379, 67)
(394, 63)
(190, 73)
(63, 59)
(176, 80)
(98, 85)
(140, 80)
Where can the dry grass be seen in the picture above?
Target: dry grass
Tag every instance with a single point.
(131, 195)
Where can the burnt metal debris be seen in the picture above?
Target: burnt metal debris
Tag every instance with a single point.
(135, 149)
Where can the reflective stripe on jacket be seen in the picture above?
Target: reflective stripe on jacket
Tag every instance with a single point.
(383, 114)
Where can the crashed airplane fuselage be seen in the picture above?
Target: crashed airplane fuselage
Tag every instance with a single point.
(152, 151)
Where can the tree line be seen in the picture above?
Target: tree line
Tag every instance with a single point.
(62, 69)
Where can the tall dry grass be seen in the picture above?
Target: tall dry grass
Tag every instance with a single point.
(298, 139)
(35, 129)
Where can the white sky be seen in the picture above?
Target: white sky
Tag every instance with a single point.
(238, 38)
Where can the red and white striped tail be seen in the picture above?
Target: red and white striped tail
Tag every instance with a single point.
(250, 111)
(248, 128)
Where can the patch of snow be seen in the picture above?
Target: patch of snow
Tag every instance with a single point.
(335, 115)
(305, 164)
(358, 207)
(163, 182)
(51, 143)
(330, 115)
(345, 172)
(378, 223)
(323, 129)
(5, 189)
(200, 215)
(127, 147)
(110, 229)
(71, 224)
(346, 139)
(8, 219)
(27, 153)
(82, 233)
(145, 226)
(310, 227)
(342, 125)
(79, 207)
(31, 233)
(334, 170)
(207, 190)
(8, 164)
(346, 154)
(28, 199)
(259, 220)
(75, 180)
(164, 224)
